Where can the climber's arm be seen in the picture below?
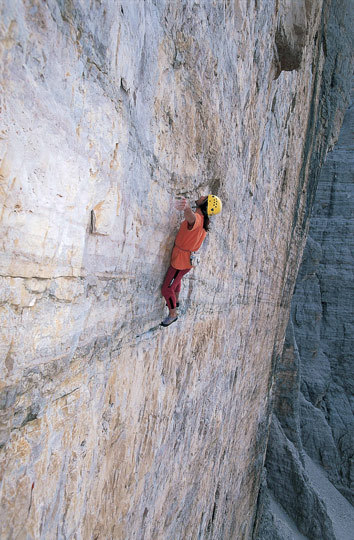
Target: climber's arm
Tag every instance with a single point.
(189, 215)
(183, 204)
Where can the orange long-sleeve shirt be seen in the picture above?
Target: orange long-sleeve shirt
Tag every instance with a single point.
(187, 240)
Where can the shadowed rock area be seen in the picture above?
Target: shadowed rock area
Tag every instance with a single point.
(111, 426)
(290, 36)
(311, 443)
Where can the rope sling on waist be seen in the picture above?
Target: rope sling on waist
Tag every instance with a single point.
(186, 250)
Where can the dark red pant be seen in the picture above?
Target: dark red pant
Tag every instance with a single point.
(172, 285)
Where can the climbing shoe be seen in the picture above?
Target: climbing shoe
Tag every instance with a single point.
(169, 320)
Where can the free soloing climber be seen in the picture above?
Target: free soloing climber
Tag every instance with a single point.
(190, 237)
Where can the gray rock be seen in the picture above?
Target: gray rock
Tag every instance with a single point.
(111, 426)
(289, 482)
(323, 315)
(313, 408)
(290, 37)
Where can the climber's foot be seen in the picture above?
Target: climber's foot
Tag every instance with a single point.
(169, 320)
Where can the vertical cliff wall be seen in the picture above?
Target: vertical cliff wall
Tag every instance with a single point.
(326, 344)
(112, 427)
(309, 458)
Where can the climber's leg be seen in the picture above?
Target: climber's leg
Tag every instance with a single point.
(176, 286)
(177, 291)
(168, 292)
(171, 284)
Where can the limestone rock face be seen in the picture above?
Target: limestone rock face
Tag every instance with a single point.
(313, 425)
(112, 427)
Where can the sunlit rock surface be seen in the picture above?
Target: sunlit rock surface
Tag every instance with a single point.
(112, 427)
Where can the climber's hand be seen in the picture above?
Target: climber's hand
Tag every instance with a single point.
(181, 204)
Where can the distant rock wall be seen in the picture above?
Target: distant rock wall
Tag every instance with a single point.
(315, 378)
(324, 322)
(112, 427)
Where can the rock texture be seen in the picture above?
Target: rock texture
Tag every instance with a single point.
(110, 426)
(313, 419)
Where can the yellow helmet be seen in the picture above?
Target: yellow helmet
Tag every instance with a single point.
(214, 205)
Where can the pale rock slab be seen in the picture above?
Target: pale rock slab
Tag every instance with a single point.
(110, 426)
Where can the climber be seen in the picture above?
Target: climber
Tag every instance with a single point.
(190, 237)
